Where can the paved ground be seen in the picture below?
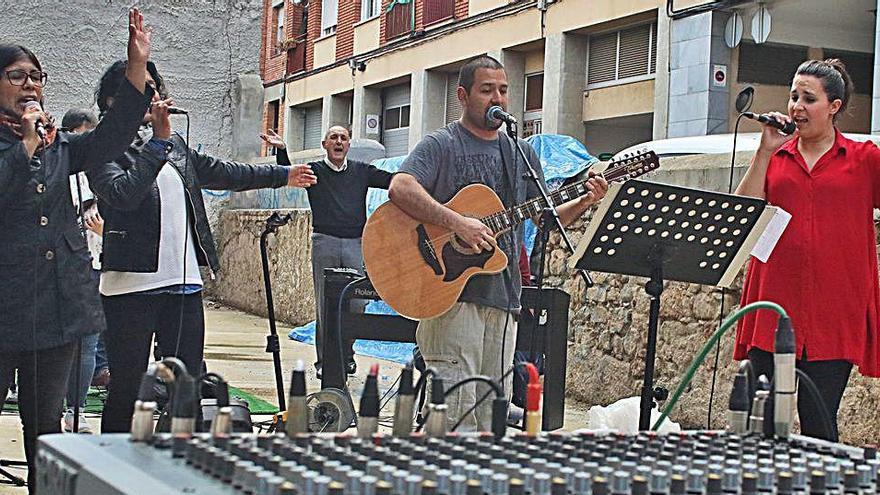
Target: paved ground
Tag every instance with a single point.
(235, 349)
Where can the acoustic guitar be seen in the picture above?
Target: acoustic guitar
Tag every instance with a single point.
(420, 269)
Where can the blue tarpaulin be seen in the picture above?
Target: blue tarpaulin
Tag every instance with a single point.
(561, 157)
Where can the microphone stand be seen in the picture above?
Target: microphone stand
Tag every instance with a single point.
(549, 219)
(272, 224)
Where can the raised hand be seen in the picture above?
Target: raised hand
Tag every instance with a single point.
(138, 38)
(301, 176)
(138, 50)
(273, 139)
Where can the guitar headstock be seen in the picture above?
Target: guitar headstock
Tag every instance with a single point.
(632, 165)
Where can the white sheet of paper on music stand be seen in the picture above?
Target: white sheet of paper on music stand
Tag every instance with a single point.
(771, 234)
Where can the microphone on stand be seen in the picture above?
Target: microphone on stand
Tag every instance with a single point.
(40, 127)
(496, 113)
(785, 127)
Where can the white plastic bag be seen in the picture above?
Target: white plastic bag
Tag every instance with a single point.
(623, 416)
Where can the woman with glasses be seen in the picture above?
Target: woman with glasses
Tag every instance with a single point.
(48, 298)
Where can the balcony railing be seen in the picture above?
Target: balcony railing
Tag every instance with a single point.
(398, 20)
(438, 10)
(296, 56)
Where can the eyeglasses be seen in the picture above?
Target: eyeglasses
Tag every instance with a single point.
(18, 77)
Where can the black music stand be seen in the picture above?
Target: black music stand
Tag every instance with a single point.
(666, 232)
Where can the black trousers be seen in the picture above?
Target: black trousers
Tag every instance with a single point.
(132, 320)
(42, 384)
(830, 378)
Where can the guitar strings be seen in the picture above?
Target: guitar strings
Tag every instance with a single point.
(609, 175)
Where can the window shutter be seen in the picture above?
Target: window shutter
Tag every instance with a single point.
(453, 106)
(634, 51)
(312, 128)
(329, 10)
(603, 58)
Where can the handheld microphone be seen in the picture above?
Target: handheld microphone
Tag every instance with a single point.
(785, 127)
(177, 111)
(496, 113)
(40, 126)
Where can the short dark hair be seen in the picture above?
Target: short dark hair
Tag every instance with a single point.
(466, 73)
(76, 117)
(9, 54)
(835, 79)
(113, 77)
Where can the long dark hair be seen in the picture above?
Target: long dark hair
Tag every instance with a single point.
(835, 80)
(113, 77)
(9, 54)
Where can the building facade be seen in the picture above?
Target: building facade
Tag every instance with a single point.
(610, 73)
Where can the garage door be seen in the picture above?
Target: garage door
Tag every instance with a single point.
(312, 128)
(395, 120)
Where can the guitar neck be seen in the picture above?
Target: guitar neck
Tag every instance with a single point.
(508, 219)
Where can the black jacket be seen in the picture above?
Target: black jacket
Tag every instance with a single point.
(128, 199)
(48, 296)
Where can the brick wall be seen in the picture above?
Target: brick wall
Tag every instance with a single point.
(383, 21)
(314, 32)
(349, 15)
(272, 61)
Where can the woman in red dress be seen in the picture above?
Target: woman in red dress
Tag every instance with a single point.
(823, 271)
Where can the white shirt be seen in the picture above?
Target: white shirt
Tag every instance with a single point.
(334, 167)
(174, 229)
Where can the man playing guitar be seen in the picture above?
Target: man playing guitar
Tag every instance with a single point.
(477, 335)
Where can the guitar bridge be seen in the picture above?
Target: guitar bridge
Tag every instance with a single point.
(426, 249)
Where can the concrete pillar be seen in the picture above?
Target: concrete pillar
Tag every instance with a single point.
(565, 68)
(661, 78)
(247, 117)
(367, 101)
(334, 111)
(875, 100)
(515, 66)
(696, 106)
(427, 104)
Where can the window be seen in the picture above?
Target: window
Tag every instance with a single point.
(622, 56)
(860, 66)
(273, 121)
(768, 63)
(396, 117)
(279, 22)
(534, 92)
(438, 10)
(329, 9)
(369, 9)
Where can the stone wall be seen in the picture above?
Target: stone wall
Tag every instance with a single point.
(608, 321)
(240, 280)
